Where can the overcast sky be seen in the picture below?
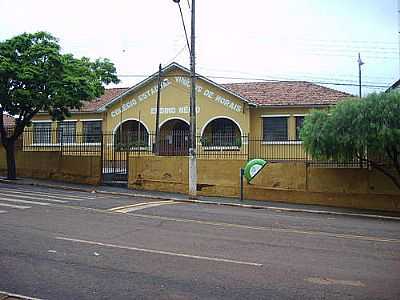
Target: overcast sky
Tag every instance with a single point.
(255, 39)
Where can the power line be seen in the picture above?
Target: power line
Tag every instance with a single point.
(348, 55)
(184, 26)
(176, 56)
(311, 81)
(338, 47)
(330, 41)
(309, 75)
(266, 80)
(345, 46)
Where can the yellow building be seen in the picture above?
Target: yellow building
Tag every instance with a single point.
(228, 115)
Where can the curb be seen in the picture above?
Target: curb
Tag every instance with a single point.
(196, 201)
(52, 186)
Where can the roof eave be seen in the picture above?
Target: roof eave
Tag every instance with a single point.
(295, 105)
(72, 112)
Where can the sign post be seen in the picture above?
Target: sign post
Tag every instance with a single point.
(241, 183)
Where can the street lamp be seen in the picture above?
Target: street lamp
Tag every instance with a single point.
(192, 145)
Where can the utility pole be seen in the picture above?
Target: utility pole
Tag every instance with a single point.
(157, 145)
(192, 149)
(192, 144)
(360, 63)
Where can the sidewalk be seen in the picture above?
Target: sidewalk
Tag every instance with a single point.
(254, 204)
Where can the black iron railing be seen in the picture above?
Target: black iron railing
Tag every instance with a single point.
(174, 143)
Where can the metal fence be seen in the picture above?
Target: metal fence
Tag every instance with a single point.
(117, 147)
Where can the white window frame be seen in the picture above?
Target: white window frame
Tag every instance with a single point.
(33, 133)
(68, 144)
(83, 133)
(277, 142)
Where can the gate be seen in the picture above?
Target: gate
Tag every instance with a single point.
(115, 158)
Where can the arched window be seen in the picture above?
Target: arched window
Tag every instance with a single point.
(130, 135)
(221, 132)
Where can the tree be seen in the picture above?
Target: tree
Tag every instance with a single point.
(367, 129)
(35, 76)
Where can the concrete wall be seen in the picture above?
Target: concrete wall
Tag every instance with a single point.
(298, 183)
(284, 182)
(52, 165)
(167, 174)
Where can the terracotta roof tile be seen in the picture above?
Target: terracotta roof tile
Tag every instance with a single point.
(109, 94)
(286, 93)
(279, 93)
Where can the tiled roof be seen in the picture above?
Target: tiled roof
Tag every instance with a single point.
(8, 121)
(109, 94)
(279, 93)
(287, 93)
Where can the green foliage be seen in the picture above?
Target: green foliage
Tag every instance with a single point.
(355, 127)
(35, 76)
(205, 141)
(238, 141)
(131, 145)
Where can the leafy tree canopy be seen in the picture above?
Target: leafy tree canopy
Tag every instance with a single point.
(35, 76)
(367, 129)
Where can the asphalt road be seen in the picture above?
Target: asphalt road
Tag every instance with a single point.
(57, 244)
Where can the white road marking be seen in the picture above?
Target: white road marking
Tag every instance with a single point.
(25, 201)
(329, 281)
(33, 198)
(283, 230)
(160, 252)
(3, 211)
(18, 296)
(140, 206)
(52, 195)
(14, 206)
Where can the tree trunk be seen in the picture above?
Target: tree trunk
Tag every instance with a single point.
(10, 154)
(392, 177)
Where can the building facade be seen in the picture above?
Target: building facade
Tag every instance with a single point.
(227, 114)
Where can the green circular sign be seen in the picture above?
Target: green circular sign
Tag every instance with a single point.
(253, 167)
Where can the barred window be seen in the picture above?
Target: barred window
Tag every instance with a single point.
(299, 125)
(221, 132)
(66, 133)
(223, 127)
(275, 128)
(92, 131)
(41, 133)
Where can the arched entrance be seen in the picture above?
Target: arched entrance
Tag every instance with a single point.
(221, 132)
(174, 138)
(131, 134)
